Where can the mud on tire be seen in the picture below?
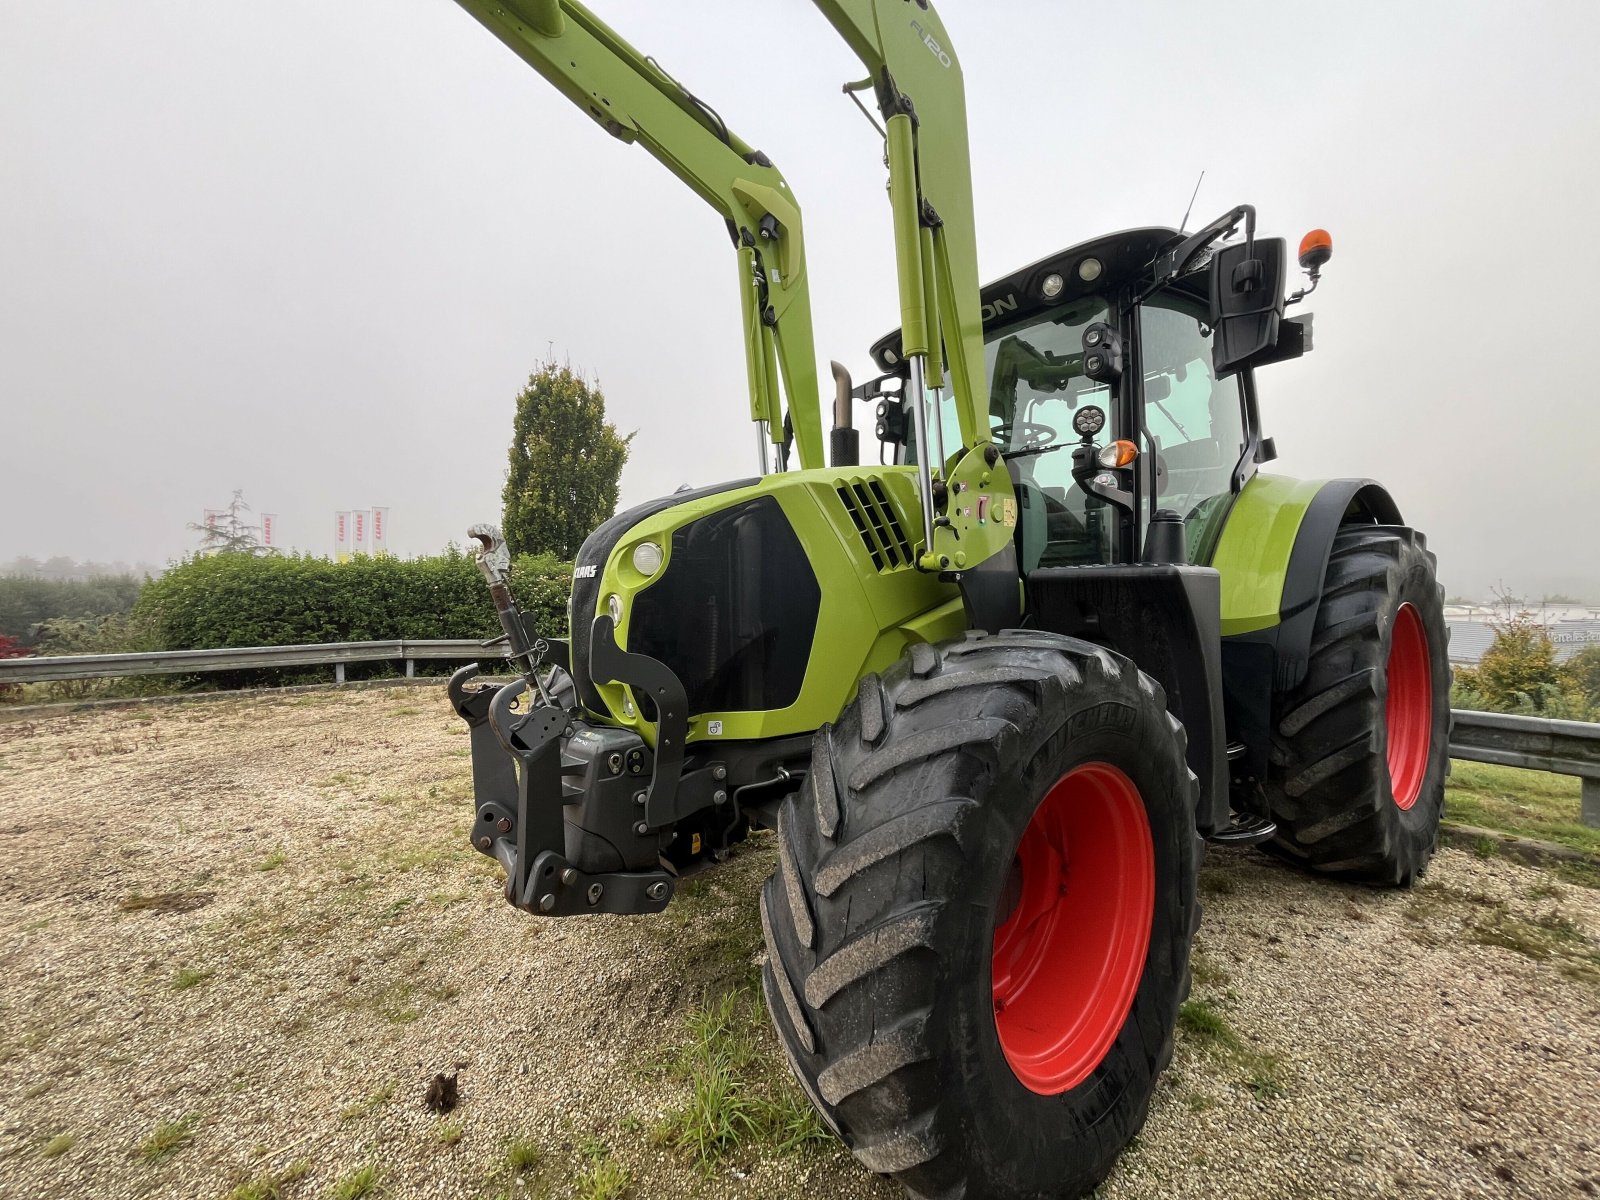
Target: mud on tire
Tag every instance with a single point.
(896, 868)
(1361, 748)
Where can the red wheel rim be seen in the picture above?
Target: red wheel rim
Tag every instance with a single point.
(1069, 955)
(1409, 709)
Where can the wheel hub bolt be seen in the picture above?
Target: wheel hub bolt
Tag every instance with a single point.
(569, 876)
(657, 890)
(503, 825)
(547, 902)
(484, 843)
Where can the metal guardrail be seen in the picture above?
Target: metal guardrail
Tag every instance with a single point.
(1533, 743)
(188, 662)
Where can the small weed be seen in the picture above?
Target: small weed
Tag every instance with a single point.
(1484, 847)
(522, 1155)
(274, 860)
(1263, 1079)
(606, 1179)
(1546, 890)
(1200, 1102)
(271, 1185)
(1215, 883)
(369, 1104)
(592, 1147)
(1203, 1021)
(168, 1137)
(406, 711)
(363, 1181)
(35, 1090)
(447, 1132)
(188, 977)
(338, 779)
(59, 1145)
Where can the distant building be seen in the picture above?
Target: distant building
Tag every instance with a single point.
(1569, 627)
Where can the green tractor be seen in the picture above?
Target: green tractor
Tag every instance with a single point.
(997, 691)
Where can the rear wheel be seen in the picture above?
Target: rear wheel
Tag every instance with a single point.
(978, 934)
(1363, 746)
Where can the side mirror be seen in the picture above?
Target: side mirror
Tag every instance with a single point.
(1246, 300)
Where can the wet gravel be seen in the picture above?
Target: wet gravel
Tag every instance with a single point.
(260, 916)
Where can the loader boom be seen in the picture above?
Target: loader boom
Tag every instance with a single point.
(634, 100)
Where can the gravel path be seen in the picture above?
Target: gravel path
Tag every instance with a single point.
(257, 919)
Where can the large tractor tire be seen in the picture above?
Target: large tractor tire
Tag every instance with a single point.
(1363, 744)
(978, 933)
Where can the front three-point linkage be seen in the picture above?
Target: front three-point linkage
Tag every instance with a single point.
(519, 731)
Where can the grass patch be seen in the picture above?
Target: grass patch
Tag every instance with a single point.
(59, 1145)
(363, 1181)
(522, 1155)
(369, 1104)
(188, 977)
(740, 1096)
(1205, 972)
(447, 1132)
(1532, 804)
(168, 1137)
(274, 860)
(605, 1179)
(271, 1185)
(165, 902)
(1260, 1073)
(1217, 883)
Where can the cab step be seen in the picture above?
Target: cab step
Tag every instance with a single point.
(1246, 830)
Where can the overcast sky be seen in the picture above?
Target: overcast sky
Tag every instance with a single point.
(312, 250)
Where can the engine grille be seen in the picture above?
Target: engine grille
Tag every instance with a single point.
(878, 524)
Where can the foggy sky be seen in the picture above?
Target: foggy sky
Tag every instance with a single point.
(312, 250)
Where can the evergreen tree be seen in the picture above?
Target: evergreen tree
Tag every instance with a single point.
(565, 463)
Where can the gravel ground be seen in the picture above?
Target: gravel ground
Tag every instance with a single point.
(258, 918)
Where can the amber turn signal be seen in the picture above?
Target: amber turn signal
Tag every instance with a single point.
(1316, 248)
(1118, 454)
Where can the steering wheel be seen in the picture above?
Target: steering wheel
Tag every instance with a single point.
(1034, 435)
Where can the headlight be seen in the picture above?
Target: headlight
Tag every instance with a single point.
(614, 607)
(647, 558)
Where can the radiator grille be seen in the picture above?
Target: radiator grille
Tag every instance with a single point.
(878, 524)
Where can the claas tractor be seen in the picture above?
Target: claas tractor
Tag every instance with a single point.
(995, 692)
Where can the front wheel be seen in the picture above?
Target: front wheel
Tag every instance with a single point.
(978, 933)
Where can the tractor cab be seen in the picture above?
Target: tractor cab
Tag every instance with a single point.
(1106, 400)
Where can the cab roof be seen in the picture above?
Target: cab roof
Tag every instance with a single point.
(1123, 257)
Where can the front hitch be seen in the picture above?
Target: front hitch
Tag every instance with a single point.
(520, 790)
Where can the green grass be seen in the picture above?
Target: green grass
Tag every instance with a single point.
(1531, 804)
(59, 1145)
(271, 1185)
(1208, 1028)
(522, 1155)
(363, 1181)
(605, 1179)
(188, 977)
(447, 1132)
(274, 860)
(740, 1095)
(168, 1137)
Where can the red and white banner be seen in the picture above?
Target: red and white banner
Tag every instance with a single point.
(341, 535)
(268, 532)
(380, 531)
(359, 539)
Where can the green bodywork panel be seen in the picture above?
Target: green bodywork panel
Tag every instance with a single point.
(634, 100)
(867, 618)
(1253, 552)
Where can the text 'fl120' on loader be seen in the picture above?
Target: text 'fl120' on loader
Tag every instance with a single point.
(996, 696)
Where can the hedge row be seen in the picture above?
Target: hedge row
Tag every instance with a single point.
(229, 600)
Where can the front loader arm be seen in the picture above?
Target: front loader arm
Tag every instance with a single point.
(634, 100)
(970, 512)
